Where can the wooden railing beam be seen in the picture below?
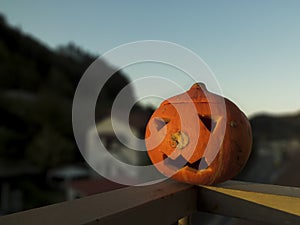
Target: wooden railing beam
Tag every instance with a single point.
(167, 202)
(259, 202)
(162, 203)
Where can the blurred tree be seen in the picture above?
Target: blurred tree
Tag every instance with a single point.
(36, 91)
(49, 149)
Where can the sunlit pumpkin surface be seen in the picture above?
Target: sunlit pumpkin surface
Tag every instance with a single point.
(198, 137)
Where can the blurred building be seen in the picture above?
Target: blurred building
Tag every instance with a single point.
(87, 187)
(116, 147)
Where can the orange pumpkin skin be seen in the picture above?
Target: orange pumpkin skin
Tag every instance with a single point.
(198, 123)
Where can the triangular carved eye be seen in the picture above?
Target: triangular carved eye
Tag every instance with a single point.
(161, 122)
(209, 123)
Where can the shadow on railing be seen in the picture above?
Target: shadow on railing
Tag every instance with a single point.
(168, 202)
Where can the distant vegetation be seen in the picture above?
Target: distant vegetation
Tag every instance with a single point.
(272, 127)
(37, 85)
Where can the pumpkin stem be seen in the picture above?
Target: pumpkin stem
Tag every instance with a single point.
(179, 139)
(199, 85)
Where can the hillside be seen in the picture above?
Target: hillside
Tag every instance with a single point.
(37, 85)
(271, 127)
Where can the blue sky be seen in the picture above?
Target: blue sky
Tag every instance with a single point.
(253, 47)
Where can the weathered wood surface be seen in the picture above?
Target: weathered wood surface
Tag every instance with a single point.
(166, 202)
(259, 202)
(162, 203)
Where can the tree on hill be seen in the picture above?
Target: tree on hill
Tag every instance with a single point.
(37, 85)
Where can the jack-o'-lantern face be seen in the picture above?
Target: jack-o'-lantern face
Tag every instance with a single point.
(195, 138)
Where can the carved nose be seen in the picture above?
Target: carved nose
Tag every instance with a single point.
(179, 140)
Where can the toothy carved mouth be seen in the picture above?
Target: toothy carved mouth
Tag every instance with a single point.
(181, 162)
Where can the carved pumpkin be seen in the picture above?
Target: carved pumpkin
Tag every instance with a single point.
(198, 137)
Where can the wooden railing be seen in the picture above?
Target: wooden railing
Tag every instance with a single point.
(168, 202)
